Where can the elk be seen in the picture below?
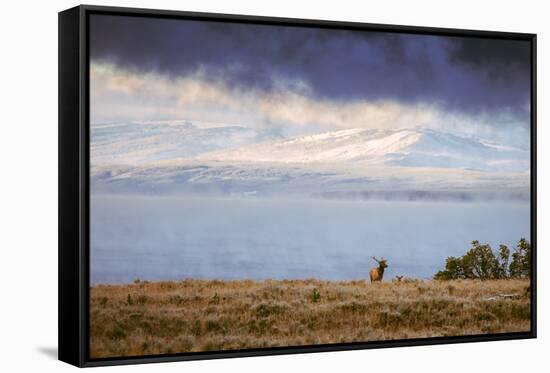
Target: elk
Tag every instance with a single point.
(376, 274)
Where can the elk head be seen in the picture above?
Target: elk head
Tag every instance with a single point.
(382, 263)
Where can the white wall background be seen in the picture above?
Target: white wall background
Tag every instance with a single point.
(28, 194)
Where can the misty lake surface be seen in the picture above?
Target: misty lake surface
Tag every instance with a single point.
(169, 238)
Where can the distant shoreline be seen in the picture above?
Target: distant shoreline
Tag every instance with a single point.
(147, 318)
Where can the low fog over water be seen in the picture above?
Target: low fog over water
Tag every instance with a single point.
(166, 238)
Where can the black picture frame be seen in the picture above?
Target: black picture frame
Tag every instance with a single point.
(74, 190)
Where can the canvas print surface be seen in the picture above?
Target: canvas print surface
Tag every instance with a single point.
(258, 186)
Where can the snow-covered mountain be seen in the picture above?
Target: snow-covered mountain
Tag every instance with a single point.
(137, 143)
(404, 147)
(180, 158)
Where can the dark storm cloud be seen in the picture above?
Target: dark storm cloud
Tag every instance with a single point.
(465, 74)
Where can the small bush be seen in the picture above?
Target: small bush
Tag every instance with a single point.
(264, 309)
(116, 333)
(196, 328)
(215, 299)
(213, 326)
(315, 296)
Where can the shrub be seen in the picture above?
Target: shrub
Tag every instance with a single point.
(480, 262)
(315, 296)
(265, 309)
(521, 260)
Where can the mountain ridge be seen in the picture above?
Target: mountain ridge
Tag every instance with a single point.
(138, 143)
(401, 147)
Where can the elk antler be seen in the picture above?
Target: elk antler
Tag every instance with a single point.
(375, 259)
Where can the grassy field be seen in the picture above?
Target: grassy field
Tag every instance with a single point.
(194, 315)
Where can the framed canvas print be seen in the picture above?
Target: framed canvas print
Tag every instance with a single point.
(238, 186)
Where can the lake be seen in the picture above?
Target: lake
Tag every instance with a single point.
(169, 238)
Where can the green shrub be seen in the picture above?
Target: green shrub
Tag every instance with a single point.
(480, 262)
(315, 296)
(521, 260)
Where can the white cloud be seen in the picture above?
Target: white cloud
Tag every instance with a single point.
(119, 94)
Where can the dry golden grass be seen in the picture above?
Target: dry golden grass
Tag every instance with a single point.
(194, 315)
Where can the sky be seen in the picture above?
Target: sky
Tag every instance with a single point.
(296, 80)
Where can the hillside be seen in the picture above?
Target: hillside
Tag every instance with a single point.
(137, 143)
(404, 147)
(181, 158)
